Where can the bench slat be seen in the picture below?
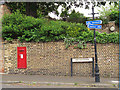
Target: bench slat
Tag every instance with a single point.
(82, 60)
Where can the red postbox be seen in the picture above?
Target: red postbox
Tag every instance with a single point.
(21, 58)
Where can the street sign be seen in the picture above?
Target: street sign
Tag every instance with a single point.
(94, 22)
(95, 26)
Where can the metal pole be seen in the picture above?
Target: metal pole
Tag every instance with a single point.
(97, 76)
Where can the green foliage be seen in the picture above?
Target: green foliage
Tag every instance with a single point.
(43, 8)
(64, 13)
(76, 17)
(52, 31)
(75, 83)
(17, 5)
(107, 38)
(26, 28)
(72, 41)
(110, 13)
(18, 26)
(105, 20)
(75, 30)
(114, 16)
(88, 36)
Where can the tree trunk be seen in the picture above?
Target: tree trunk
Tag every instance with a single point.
(31, 9)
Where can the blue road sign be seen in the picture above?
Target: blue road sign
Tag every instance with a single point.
(95, 26)
(94, 22)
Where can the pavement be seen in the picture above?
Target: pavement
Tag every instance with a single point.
(59, 81)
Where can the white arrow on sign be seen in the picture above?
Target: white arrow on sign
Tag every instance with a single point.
(94, 22)
(95, 26)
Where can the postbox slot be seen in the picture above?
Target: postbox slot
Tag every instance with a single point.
(21, 50)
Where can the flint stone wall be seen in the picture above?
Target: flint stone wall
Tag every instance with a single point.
(51, 58)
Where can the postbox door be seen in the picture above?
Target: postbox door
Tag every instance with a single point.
(21, 58)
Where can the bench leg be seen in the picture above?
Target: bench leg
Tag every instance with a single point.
(71, 67)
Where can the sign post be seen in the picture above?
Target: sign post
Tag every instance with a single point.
(97, 75)
(90, 24)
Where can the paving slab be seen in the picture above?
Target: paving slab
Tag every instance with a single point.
(60, 80)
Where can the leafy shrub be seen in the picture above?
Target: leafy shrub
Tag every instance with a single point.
(13, 6)
(26, 28)
(71, 41)
(52, 31)
(89, 37)
(19, 26)
(76, 17)
(110, 13)
(107, 38)
(114, 16)
(64, 14)
(75, 30)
